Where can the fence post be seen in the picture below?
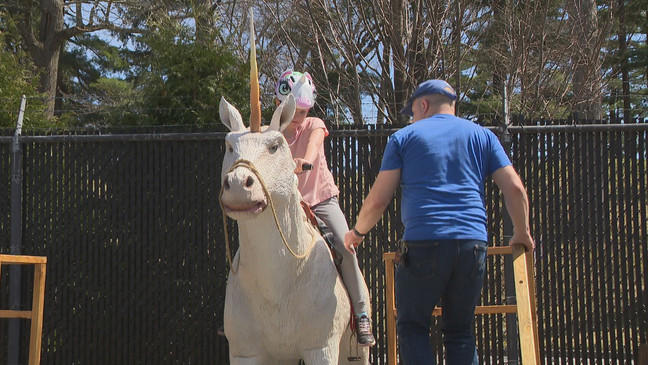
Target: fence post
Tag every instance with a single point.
(13, 327)
(643, 354)
(512, 332)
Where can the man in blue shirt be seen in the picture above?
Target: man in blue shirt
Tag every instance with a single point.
(441, 163)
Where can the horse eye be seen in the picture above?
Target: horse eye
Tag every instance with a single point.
(274, 148)
(230, 149)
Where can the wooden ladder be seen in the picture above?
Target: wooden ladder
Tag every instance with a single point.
(525, 307)
(36, 312)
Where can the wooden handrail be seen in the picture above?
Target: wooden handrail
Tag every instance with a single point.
(35, 315)
(21, 259)
(525, 307)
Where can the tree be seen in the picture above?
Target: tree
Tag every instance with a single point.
(627, 61)
(46, 25)
(376, 49)
(555, 58)
(587, 39)
(16, 79)
(180, 79)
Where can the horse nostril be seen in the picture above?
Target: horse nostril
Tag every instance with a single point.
(226, 184)
(249, 181)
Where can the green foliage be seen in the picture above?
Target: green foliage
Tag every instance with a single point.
(173, 61)
(17, 78)
(89, 77)
(635, 58)
(168, 78)
(113, 102)
(526, 52)
(181, 81)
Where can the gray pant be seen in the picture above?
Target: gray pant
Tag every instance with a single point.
(330, 213)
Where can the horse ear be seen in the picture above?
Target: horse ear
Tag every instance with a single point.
(283, 115)
(229, 116)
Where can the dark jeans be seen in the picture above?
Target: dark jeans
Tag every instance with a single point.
(448, 269)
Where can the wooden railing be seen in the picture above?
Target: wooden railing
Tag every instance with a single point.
(525, 307)
(36, 312)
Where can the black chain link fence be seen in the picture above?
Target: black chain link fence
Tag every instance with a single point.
(136, 271)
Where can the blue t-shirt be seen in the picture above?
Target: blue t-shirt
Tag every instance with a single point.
(444, 161)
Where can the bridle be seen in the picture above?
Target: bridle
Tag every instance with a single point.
(250, 166)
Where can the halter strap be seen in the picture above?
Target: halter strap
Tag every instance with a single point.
(250, 166)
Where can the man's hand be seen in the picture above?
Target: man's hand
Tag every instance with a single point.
(523, 238)
(351, 241)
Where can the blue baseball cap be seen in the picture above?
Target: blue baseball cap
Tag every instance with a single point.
(426, 88)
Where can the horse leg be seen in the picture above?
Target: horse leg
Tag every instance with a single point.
(250, 360)
(322, 356)
(351, 353)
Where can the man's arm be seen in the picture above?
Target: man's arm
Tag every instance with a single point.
(517, 204)
(379, 197)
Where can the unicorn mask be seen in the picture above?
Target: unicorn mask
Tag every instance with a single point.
(300, 85)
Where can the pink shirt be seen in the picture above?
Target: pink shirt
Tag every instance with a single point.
(317, 184)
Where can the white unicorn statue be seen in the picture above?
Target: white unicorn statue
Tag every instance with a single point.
(284, 299)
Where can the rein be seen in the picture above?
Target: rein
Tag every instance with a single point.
(250, 166)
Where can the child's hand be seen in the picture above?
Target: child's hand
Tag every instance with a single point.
(302, 165)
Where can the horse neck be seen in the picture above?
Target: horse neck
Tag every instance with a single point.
(261, 248)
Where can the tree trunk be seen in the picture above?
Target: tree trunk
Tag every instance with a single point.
(499, 68)
(386, 103)
(397, 36)
(355, 104)
(586, 60)
(416, 61)
(457, 44)
(623, 59)
(613, 101)
(47, 57)
(45, 46)
(203, 18)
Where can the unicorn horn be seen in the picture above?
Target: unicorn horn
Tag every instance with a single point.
(255, 104)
